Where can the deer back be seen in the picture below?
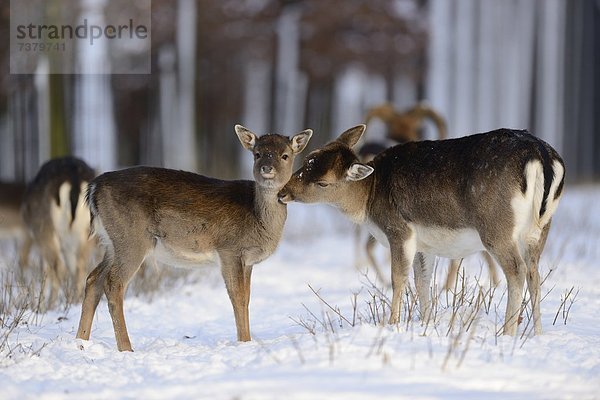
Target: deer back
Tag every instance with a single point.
(175, 206)
(460, 182)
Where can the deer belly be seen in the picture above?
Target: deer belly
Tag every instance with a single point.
(450, 243)
(181, 257)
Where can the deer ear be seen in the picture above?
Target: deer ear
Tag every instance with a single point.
(300, 140)
(358, 171)
(247, 138)
(352, 135)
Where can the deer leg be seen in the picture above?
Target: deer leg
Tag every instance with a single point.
(357, 244)
(94, 286)
(85, 250)
(533, 277)
(114, 288)
(423, 269)
(533, 286)
(494, 280)
(370, 249)
(237, 281)
(116, 281)
(246, 300)
(452, 274)
(514, 269)
(402, 256)
(56, 275)
(25, 250)
(54, 266)
(24, 257)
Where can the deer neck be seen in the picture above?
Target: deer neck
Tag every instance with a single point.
(271, 214)
(356, 208)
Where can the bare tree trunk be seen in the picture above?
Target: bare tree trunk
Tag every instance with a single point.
(43, 109)
(22, 128)
(319, 111)
(348, 106)
(440, 58)
(549, 73)
(256, 107)
(464, 92)
(184, 136)
(59, 138)
(582, 88)
(288, 76)
(94, 136)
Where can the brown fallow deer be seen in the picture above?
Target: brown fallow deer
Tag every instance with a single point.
(406, 126)
(57, 222)
(494, 191)
(185, 219)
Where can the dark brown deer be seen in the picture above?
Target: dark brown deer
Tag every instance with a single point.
(187, 219)
(406, 126)
(494, 191)
(57, 221)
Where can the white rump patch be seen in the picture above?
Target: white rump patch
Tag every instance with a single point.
(81, 224)
(102, 235)
(526, 207)
(551, 202)
(73, 233)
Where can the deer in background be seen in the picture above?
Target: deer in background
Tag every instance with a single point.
(406, 126)
(187, 219)
(57, 222)
(494, 191)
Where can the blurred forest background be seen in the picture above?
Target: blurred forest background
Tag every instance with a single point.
(285, 65)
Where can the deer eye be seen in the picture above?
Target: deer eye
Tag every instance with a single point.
(285, 156)
(322, 184)
(256, 156)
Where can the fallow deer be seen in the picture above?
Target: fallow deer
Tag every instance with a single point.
(57, 221)
(406, 126)
(187, 219)
(494, 191)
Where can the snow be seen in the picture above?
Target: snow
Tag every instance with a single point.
(184, 338)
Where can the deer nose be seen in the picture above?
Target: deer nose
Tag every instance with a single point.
(267, 169)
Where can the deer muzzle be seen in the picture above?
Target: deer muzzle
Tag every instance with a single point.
(267, 172)
(284, 196)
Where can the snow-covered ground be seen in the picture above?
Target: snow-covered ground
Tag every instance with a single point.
(184, 338)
